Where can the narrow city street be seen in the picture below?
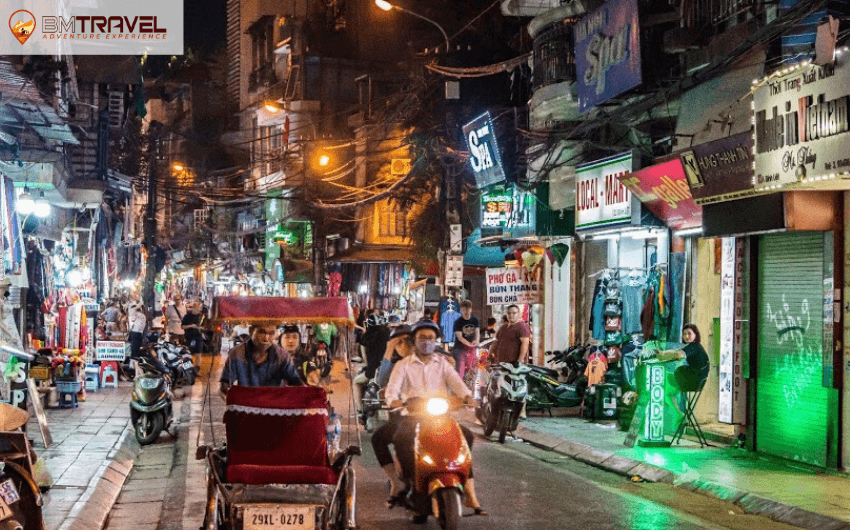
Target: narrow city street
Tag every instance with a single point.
(523, 487)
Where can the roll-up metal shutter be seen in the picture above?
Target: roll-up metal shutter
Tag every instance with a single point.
(791, 402)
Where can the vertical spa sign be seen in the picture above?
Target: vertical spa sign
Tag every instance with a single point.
(484, 151)
(607, 47)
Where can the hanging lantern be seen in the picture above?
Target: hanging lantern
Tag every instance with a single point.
(559, 251)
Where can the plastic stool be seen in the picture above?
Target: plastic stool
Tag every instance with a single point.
(92, 377)
(109, 374)
(68, 400)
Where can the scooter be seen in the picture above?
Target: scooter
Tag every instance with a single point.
(442, 463)
(502, 403)
(151, 411)
(322, 359)
(545, 393)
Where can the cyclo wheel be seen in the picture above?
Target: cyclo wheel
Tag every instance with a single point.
(448, 500)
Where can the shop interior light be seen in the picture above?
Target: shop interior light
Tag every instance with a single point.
(26, 204)
(642, 234)
(363, 289)
(74, 278)
(41, 207)
(689, 232)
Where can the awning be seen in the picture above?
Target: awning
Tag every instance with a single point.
(479, 255)
(374, 255)
(269, 309)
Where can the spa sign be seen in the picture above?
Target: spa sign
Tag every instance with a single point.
(801, 128)
(607, 48)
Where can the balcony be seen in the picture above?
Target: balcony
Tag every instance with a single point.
(554, 57)
(262, 77)
(698, 14)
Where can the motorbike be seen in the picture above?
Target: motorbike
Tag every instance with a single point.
(502, 404)
(178, 359)
(442, 463)
(322, 359)
(151, 410)
(545, 393)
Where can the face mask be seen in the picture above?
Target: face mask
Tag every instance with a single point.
(426, 347)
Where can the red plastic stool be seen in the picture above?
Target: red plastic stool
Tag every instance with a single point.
(109, 374)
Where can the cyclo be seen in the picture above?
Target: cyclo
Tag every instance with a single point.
(274, 472)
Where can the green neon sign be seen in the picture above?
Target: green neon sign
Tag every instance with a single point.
(654, 384)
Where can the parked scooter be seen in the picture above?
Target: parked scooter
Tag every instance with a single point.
(178, 359)
(502, 404)
(545, 393)
(442, 464)
(150, 408)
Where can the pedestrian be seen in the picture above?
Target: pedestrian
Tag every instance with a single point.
(374, 343)
(513, 339)
(174, 313)
(192, 327)
(467, 336)
(490, 331)
(137, 322)
(111, 317)
(257, 362)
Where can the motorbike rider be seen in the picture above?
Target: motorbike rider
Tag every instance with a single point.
(258, 362)
(399, 347)
(422, 375)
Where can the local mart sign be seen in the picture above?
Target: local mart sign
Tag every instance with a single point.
(601, 199)
(802, 128)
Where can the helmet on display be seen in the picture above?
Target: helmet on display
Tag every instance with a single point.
(427, 324)
(401, 330)
(373, 320)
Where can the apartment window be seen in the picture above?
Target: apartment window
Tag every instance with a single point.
(392, 222)
(262, 52)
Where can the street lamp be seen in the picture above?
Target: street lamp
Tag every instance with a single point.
(25, 204)
(41, 207)
(386, 6)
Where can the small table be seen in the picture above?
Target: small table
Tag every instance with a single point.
(652, 379)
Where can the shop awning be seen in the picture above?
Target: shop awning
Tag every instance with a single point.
(278, 310)
(374, 255)
(479, 255)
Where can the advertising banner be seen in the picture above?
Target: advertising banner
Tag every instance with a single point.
(664, 190)
(732, 393)
(601, 199)
(507, 208)
(802, 129)
(721, 170)
(607, 49)
(512, 285)
(484, 151)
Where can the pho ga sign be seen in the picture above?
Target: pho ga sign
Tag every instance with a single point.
(802, 133)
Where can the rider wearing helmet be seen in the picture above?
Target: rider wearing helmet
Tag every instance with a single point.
(421, 375)
(399, 346)
(374, 341)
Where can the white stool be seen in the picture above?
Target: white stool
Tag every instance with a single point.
(92, 378)
(110, 377)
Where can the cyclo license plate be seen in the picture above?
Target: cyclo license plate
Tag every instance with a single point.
(8, 495)
(278, 517)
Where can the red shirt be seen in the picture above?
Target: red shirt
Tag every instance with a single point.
(508, 341)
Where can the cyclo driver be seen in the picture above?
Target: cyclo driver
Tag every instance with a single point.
(422, 375)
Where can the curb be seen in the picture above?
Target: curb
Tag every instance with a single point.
(749, 502)
(91, 511)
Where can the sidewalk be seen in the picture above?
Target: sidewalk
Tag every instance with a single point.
(92, 454)
(785, 491)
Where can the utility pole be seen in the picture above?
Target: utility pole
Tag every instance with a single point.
(148, 297)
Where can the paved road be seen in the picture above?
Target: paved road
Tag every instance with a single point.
(521, 486)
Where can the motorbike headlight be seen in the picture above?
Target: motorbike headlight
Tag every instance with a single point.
(437, 406)
(428, 460)
(461, 458)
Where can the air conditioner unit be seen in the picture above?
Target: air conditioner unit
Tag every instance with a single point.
(400, 166)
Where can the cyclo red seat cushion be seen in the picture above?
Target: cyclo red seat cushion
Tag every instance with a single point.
(277, 436)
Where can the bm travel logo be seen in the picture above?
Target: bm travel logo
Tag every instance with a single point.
(115, 27)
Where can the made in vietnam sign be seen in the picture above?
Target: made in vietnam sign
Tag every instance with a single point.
(484, 151)
(607, 50)
(601, 199)
(802, 129)
(511, 285)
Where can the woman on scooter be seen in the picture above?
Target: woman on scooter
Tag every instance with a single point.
(422, 374)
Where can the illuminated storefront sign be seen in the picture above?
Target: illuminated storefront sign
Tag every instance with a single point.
(732, 395)
(802, 128)
(655, 382)
(507, 208)
(484, 151)
(664, 190)
(601, 199)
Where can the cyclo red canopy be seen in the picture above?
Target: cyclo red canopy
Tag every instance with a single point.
(272, 309)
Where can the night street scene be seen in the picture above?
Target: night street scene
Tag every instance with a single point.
(398, 264)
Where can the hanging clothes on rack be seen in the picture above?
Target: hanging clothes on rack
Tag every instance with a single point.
(448, 319)
(632, 295)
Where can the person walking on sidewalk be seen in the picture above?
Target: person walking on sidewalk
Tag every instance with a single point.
(421, 375)
(258, 362)
(174, 313)
(192, 326)
(467, 335)
(513, 339)
(137, 322)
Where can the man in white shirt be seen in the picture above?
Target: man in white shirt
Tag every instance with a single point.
(422, 375)
(175, 312)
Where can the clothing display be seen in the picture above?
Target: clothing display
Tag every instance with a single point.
(447, 322)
